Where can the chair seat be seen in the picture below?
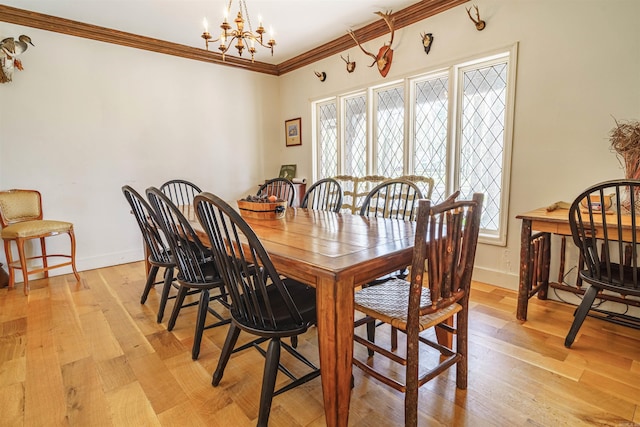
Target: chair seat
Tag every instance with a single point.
(389, 302)
(304, 298)
(35, 228)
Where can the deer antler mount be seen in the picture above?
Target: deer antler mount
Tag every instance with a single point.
(321, 75)
(351, 65)
(385, 53)
(480, 24)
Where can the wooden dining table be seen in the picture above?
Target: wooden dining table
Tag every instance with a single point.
(334, 253)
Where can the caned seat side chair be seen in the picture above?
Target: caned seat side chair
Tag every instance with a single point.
(446, 238)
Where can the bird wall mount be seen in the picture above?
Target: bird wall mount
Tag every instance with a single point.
(10, 49)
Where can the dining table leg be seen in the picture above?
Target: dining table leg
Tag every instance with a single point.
(334, 300)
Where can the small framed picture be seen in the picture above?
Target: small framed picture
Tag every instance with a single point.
(293, 132)
(288, 171)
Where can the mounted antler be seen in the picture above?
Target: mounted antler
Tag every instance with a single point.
(480, 24)
(322, 76)
(385, 54)
(351, 65)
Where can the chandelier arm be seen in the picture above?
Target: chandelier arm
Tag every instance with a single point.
(243, 39)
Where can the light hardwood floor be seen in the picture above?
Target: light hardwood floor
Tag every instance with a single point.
(91, 355)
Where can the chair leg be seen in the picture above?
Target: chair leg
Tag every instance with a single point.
(268, 381)
(202, 317)
(23, 265)
(45, 262)
(462, 344)
(227, 349)
(8, 255)
(182, 293)
(581, 314)
(151, 277)
(168, 279)
(394, 338)
(371, 334)
(72, 238)
(411, 394)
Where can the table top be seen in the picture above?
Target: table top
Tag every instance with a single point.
(308, 244)
(557, 215)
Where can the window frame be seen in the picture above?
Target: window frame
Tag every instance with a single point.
(454, 72)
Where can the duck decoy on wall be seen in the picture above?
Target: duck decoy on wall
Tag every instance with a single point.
(10, 49)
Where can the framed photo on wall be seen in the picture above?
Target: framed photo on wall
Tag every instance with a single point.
(293, 132)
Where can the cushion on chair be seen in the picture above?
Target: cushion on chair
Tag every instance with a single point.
(389, 302)
(20, 205)
(27, 229)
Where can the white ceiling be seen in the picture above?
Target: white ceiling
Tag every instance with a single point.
(298, 25)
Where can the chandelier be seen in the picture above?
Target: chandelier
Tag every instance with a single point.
(243, 39)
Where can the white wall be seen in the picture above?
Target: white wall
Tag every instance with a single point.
(578, 67)
(85, 118)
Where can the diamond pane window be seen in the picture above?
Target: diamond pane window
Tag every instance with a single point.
(431, 111)
(458, 119)
(355, 136)
(390, 132)
(328, 140)
(482, 143)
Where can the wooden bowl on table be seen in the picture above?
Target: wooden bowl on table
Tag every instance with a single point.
(262, 210)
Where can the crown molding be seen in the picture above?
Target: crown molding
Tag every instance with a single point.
(108, 35)
(404, 17)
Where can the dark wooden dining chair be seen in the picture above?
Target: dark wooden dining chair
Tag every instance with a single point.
(604, 221)
(196, 267)
(446, 238)
(262, 302)
(394, 198)
(180, 191)
(21, 219)
(157, 247)
(397, 199)
(282, 188)
(324, 195)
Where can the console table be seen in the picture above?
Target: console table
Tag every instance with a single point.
(535, 257)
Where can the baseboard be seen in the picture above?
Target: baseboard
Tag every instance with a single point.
(91, 263)
(496, 278)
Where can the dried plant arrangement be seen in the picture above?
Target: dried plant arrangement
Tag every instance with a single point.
(625, 140)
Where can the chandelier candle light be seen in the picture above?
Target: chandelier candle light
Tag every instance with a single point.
(244, 39)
